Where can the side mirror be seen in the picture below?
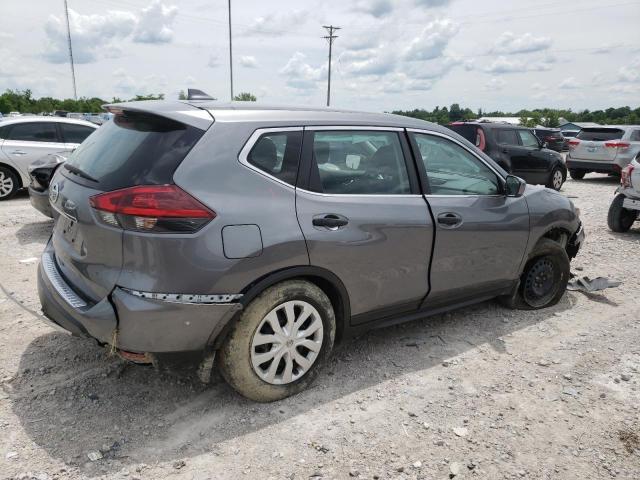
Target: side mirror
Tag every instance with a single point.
(514, 186)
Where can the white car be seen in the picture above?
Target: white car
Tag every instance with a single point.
(625, 208)
(26, 139)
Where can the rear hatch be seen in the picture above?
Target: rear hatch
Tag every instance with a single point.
(102, 178)
(470, 132)
(596, 144)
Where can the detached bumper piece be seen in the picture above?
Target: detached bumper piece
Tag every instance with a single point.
(139, 323)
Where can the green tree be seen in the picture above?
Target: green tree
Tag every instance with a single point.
(245, 97)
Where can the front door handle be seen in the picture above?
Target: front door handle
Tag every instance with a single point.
(449, 220)
(330, 220)
(18, 152)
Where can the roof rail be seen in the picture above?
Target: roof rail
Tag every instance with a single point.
(195, 94)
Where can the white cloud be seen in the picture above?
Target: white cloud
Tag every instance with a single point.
(630, 73)
(300, 75)
(503, 64)
(509, 43)
(248, 61)
(154, 25)
(275, 24)
(129, 84)
(432, 41)
(362, 40)
(432, 3)
(401, 83)
(434, 69)
(569, 83)
(495, 84)
(373, 61)
(214, 61)
(94, 36)
(376, 8)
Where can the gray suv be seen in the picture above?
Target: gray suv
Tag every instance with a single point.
(261, 236)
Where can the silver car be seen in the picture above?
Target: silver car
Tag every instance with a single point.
(260, 236)
(24, 140)
(606, 149)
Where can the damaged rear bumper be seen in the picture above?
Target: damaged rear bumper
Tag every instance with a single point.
(132, 322)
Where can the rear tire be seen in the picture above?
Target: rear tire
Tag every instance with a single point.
(9, 183)
(544, 279)
(556, 179)
(291, 361)
(577, 174)
(619, 218)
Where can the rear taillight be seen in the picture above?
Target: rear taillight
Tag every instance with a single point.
(152, 208)
(625, 176)
(573, 144)
(617, 144)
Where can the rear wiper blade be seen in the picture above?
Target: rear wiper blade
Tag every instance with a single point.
(80, 173)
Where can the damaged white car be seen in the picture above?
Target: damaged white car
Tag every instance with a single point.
(625, 208)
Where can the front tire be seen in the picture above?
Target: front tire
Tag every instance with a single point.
(544, 279)
(280, 342)
(556, 179)
(619, 218)
(9, 183)
(577, 174)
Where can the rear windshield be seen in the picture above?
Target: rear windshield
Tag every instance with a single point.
(134, 149)
(600, 134)
(473, 133)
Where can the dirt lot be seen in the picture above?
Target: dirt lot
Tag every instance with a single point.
(479, 393)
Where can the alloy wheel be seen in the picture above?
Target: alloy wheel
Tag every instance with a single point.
(557, 179)
(6, 185)
(287, 342)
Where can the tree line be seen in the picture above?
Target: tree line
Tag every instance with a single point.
(23, 101)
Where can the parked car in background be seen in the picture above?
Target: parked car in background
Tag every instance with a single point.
(14, 114)
(267, 234)
(568, 135)
(606, 149)
(552, 137)
(517, 150)
(41, 172)
(625, 208)
(24, 140)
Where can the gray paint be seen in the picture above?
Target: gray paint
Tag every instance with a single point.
(241, 241)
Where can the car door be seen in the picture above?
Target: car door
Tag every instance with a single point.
(26, 142)
(510, 150)
(480, 233)
(535, 160)
(73, 134)
(362, 215)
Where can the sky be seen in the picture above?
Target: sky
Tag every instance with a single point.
(389, 54)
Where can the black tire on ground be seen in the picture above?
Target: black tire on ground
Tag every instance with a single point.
(9, 183)
(544, 279)
(234, 357)
(551, 183)
(577, 174)
(619, 218)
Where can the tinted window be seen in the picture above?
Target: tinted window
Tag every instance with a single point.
(452, 170)
(600, 134)
(278, 155)
(635, 136)
(34, 132)
(359, 162)
(75, 133)
(134, 149)
(506, 137)
(4, 131)
(528, 138)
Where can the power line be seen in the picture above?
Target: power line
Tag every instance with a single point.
(73, 70)
(330, 38)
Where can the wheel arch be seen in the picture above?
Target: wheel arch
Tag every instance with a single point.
(327, 281)
(13, 170)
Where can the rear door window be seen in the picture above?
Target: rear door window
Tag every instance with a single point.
(72, 133)
(277, 154)
(506, 137)
(600, 134)
(34, 132)
(528, 139)
(635, 136)
(359, 162)
(134, 149)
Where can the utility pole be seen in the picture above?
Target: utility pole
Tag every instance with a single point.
(330, 38)
(230, 54)
(73, 70)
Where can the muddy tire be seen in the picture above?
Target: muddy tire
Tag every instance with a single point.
(291, 326)
(577, 174)
(9, 183)
(619, 218)
(544, 279)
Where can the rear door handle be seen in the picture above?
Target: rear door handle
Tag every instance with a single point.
(330, 220)
(449, 220)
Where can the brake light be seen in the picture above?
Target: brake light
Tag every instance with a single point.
(625, 176)
(573, 144)
(617, 144)
(152, 208)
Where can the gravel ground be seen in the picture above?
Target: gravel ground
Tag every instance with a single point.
(482, 392)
